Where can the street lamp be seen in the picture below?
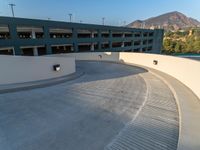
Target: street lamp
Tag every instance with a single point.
(103, 21)
(11, 6)
(70, 17)
(124, 23)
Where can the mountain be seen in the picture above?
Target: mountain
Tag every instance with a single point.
(169, 21)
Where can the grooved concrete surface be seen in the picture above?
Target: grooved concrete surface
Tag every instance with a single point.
(112, 106)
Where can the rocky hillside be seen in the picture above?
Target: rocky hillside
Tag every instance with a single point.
(169, 21)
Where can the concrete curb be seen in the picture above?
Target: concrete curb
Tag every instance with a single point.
(39, 84)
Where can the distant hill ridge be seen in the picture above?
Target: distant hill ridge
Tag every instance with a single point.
(169, 21)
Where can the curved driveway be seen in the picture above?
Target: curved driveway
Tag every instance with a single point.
(112, 106)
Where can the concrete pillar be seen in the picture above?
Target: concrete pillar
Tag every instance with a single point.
(72, 48)
(99, 40)
(17, 49)
(123, 36)
(132, 45)
(13, 31)
(141, 41)
(122, 44)
(92, 34)
(110, 39)
(92, 46)
(48, 49)
(46, 32)
(33, 35)
(35, 51)
(64, 48)
(74, 36)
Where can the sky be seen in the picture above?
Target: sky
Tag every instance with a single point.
(115, 12)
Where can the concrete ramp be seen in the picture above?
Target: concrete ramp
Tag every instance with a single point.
(111, 106)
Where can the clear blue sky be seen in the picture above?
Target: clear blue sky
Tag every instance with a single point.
(92, 11)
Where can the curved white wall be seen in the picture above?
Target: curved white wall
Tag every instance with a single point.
(20, 69)
(185, 70)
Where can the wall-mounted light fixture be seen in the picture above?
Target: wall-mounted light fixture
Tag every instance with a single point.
(100, 56)
(56, 67)
(155, 62)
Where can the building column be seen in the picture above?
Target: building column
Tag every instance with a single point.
(17, 50)
(92, 47)
(99, 39)
(123, 36)
(48, 49)
(72, 48)
(14, 37)
(47, 36)
(33, 35)
(141, 41)
(35, 51)
(92, 34)
(74, 36)
(110, 39)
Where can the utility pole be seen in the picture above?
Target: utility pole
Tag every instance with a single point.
(11, 6)
(124, 23)
(70, 17)
(103, 21)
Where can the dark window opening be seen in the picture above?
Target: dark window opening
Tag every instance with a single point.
(6, 52)
(61, 49)
(39, 35)
(151, 34)
(144, 42)
(150, 41)
(144, 49)
(27, 51)
(105, 35)
(24, 35)
(117, 44)
(137, 34)
(145, 34)
(84, 48)
(82, 35)
(127, 44)
(4, 35)
(105, 46)
(117, 35)
(60, 35)
(137, 43)
(149, 48)
(128, 35)
(41, 51)
(136, 50)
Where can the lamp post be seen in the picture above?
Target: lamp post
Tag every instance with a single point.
(11, 6)
(103, 21)
(70, 17)
(124, 23)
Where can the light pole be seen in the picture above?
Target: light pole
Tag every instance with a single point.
(103, 21)
(11, 6)
(70, 17)
(124, 23)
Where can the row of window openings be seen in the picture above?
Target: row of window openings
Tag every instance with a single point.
(65, 49)
(38, 35)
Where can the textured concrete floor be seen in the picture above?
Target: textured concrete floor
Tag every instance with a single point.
(95, 111)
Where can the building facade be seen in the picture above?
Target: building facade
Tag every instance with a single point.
(29, 37)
